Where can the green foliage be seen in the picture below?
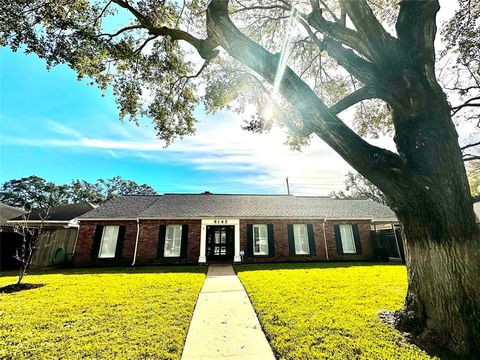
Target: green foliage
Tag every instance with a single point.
(358, 187)
(156, 77)
(460, 65)
(117, 186)
(329, 311)
(461, 32)
(34, 192)
(373, 118)
(473, 172)
(121, 313)
(143, 70)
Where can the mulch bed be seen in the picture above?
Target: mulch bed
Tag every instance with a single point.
(18, 287)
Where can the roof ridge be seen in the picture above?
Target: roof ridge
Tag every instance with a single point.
(223, 194)
(128, 195)
(12, 207)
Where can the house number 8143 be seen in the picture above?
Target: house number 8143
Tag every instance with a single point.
(220, 221)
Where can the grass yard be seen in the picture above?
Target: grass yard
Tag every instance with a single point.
(121, 313)
(329, 311)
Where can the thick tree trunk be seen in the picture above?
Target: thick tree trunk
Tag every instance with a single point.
(442, 306)
(433, 202)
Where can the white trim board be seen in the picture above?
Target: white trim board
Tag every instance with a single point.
(202, 259)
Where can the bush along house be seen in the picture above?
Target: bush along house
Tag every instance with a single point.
(206, 228)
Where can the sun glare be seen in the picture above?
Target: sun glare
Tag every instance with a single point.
(268, 110)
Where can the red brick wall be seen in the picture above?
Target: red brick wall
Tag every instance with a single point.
(147, 244)
(281, 240)
(149, 231)
(83, 249)
(364, 230)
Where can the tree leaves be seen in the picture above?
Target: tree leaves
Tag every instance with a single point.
(358, 187)
(152, 75)
(34, 192)
(141, 69)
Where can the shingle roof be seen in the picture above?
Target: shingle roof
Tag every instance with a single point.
(59, 213)
(241, 206)
(122, 207)
(8, 212)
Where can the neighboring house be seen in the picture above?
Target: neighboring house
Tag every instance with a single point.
(59, 224)
(9, 239)
(204, 228)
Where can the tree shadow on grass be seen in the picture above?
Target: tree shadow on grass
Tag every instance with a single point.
(13, 288)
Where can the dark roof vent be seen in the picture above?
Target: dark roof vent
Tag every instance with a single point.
(207, 193)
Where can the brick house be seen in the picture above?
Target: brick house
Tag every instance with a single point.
(203, 228)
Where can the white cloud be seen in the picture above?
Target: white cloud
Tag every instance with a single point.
(61, 129)
(220, 145)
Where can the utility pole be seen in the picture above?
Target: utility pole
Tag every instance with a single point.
(288, 186)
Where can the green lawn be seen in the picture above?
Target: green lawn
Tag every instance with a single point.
(329, 311)
(121, 313)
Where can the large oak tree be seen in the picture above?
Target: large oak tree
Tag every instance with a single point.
(280, 55)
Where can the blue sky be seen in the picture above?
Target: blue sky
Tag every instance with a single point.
(56, 127)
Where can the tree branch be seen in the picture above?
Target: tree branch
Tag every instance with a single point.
(468, 103)
(205, 47)
(354, 64)
(470, 145)
(364, 93)
(361, 69)
(469, 157)
(369, 159)
(140, 48)
(416, 29)
(121, 31)
(102, 12)
(337, 31)
(188, 77)
(378, 41)
(260, 7)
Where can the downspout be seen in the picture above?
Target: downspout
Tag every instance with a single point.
(136, 242)
(76, 239)
(396, 241)
(325, 238)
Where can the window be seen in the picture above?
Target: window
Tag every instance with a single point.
(300, 236)
(109, 242)
(260, 240)
(173, 240)
(348, 241)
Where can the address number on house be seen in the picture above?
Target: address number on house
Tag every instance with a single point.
(220, 221)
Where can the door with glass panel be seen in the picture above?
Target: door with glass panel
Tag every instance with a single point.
(220, 243)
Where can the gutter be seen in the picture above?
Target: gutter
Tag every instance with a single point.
(325, 238)
(136, 242)
(44, 222)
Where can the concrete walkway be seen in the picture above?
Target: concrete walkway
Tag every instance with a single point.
(224, 324)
